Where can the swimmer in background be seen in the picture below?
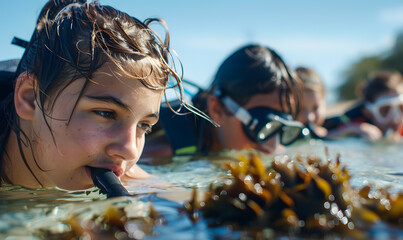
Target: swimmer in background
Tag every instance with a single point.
(254, 97)
(378, 116)
(87, 90)
(313, 109)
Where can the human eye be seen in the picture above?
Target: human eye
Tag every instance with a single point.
(147, 128)
(105, 114)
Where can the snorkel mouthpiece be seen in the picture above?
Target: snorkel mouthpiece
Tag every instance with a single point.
(108, 182)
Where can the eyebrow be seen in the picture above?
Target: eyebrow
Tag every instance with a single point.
(118, 102)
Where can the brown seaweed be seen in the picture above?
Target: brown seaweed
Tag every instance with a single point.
(119, 220)
(301, 195)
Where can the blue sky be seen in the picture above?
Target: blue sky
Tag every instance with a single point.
(327, 36)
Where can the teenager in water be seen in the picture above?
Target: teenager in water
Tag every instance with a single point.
(254, 97)
(87, 90)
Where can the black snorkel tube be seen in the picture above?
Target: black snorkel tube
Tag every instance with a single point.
(108, 182)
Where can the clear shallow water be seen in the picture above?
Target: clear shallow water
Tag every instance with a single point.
(20, 208)
(377, 163)
(23, 212)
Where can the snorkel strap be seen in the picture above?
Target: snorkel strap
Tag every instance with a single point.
(239, 112)
(19, 42)
(386, 100)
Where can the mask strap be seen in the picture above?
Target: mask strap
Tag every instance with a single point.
(237, 110)
(241, 113)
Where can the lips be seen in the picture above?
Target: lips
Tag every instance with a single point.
(118, 171)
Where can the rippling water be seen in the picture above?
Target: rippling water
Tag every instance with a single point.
(24, 211)
(378, 163)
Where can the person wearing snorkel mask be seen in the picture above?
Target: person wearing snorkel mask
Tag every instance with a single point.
(379, 116)
(313, 111)
(254, 98)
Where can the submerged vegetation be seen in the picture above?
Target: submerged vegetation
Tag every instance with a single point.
(302, 196)
(117, 218)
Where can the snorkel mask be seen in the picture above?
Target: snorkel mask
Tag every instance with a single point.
(261, 123)
(387, 108)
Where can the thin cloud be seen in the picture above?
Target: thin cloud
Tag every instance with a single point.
(394, 16)
(210, 43)
(302, 44)
(332, 45)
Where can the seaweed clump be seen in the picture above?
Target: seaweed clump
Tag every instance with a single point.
(302, 195)
(109, 219)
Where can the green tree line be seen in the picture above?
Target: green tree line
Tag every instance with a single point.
(358, 72)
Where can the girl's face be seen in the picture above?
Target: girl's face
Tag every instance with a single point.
(106, 129)
(314, 108)
(231, 134)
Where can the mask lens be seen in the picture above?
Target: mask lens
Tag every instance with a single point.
(290, 134)
(268, 130)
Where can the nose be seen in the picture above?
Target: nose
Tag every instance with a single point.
(125, 144)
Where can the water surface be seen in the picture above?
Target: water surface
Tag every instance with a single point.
(23, 212)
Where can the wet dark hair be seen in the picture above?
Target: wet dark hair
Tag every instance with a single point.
(72, 40)
(381, 82)
(255, 69)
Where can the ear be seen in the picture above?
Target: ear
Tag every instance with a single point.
(215, 109)
(24, 96)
